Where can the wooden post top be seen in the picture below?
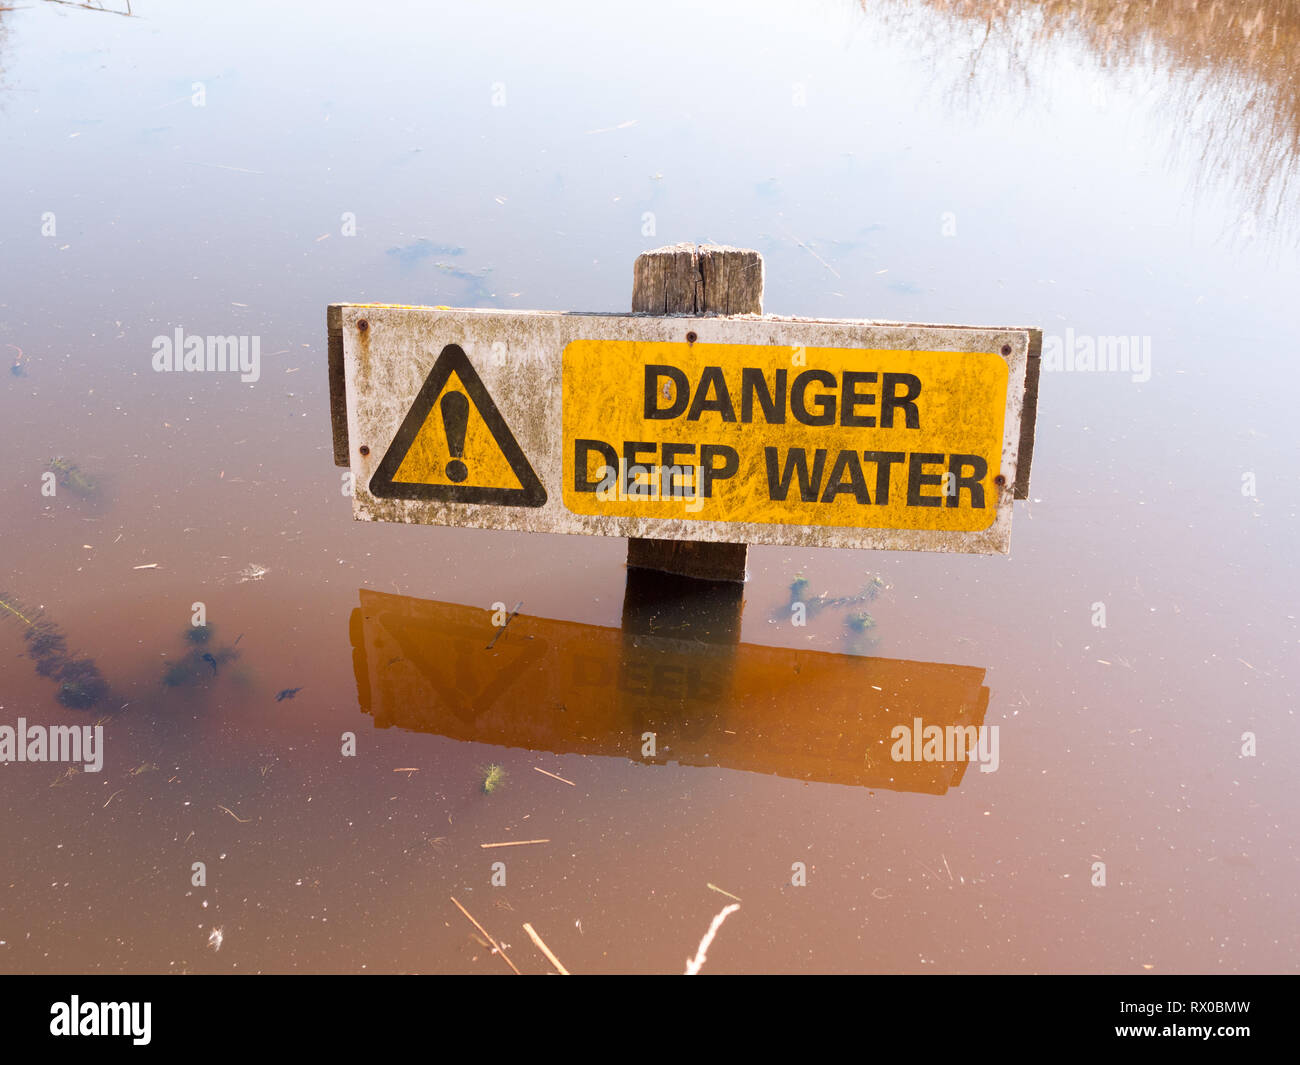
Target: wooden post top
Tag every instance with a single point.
(701, 279)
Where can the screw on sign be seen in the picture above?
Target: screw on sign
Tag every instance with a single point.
(692, 443)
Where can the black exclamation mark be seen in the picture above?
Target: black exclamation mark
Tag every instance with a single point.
(455, 420)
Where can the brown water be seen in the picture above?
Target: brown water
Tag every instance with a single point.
(1125, 171)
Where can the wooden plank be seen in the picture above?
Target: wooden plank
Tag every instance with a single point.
(1029, 413)
(581, 423)
(338, 390)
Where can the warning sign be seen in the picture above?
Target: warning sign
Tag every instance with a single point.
(781, 435)
(454, 445)
(747, 429)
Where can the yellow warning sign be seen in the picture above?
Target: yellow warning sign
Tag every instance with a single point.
(454, 446)
(889, 439)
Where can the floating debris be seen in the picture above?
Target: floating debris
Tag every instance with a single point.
(860, 624)
(421, 248)
(865, 596)
(194, 666)
(176, 674)
(695, 964)
(73, 478)
(537, 942)
(81, 685)
(813, 604)
(288, 693)
(418, 251)
(252, 572)
(507, 621)
(860, 621)
(48, 647)
(493, 777)
(496, 947)
(474, 276)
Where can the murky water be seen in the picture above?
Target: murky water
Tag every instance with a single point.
(225, 169)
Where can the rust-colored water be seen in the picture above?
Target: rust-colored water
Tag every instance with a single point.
(1106, 174)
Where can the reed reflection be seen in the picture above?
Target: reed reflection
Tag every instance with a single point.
(1219, 77)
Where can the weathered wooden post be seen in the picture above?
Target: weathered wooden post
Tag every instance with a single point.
(688, 280)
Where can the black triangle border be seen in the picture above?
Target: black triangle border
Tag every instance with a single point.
(454, 360)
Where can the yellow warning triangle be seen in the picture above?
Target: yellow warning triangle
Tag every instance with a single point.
(454, 446)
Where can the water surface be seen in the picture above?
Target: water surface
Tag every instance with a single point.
(1104, 171)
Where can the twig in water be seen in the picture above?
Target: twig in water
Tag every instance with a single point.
(719, 890)
(610, 129)
(514, 843)
(64, 777)
(22, 617)
(495, 945)
(537, 942)
(929, 870)
(90, 7)
(223, 166)
(554, 777)
(813, 253)
(241, 820)
(693, 965)
(503, 627)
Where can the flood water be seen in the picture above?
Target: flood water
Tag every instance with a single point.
(1099, 171)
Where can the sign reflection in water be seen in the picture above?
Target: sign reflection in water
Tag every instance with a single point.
(566, 687)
